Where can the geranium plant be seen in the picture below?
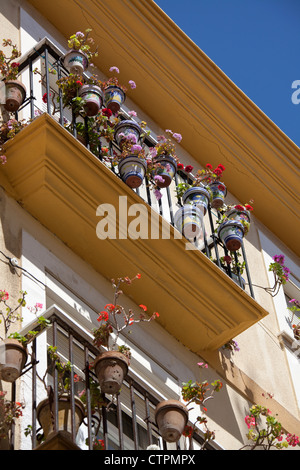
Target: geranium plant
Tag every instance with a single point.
(114, 81)
(198, 393)
(81, 41)
(9, 412)
(8, 130)
(265, 432)
(115, 319)
(295, 309)
(9, 67)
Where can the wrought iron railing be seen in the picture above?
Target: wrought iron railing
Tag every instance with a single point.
(51, 59)
(127, 424)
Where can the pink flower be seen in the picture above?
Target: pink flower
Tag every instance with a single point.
(3, 159)
(157, 194)
(114, 69)
(132, 84)
(132, 113)
(250, 421)
(136, 148)
(37, 305)
(177, 137)
(202, 364)
(159, 179)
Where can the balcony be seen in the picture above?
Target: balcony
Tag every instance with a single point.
(125, 423)
(62, 185)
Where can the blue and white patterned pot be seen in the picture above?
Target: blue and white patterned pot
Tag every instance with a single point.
(92, 95)
(125, 128)
(76, 62)
(198, 196)
(132, 170)
(231, 233)
(114, 97)
(165, 167)
(219, 192)
(189, 221)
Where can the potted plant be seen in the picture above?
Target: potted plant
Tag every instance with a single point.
(211, 177)
(111, 366)
(114, 92)
(9, 412)
(91, 93)
(164, 161)
(231, 262)
(132, 163)
(13, 346)
(295, 309)
(189, 221)
(45, 408)
(234, 225)
(172, 415)
(8, 130)
(9, 71)
(77, 59)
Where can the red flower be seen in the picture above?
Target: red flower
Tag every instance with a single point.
(103, 316)
(248, 207)
(180, 166)
(143, 307)
(209, 166)
(15, 64)
(238, 207)
(227, 259)
(221, 187)
(110, 306)
(189, 168)
(45, 98)
(218, 171)
(106, 112)
(222, 168)
(138, 276)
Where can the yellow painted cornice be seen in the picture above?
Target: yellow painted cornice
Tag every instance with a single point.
(60, 183)
(182, 89)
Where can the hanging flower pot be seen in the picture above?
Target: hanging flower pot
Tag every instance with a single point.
(92, 96)
(198, 196)
(231, 234)
(15, 95)
(171, 417)
(45, 415)
(189, 221)
(164, 166)
(126, 129)
(114, 97)
(219, 192)
(132, 170)
(13, 357)
(111, 368)
(76, 62)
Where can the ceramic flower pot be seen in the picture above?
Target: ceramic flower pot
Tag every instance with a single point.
(45, 416)
(231, 233)
(76, 62)
(198, 196)
(189, 221)
(171, 417)
(15, 95)
(132, 170)
(111, 368)
(124, 129)
(13, 357)
(92, 96)
(114, 97)
(240, 216)
(219, 192)
(165, 166)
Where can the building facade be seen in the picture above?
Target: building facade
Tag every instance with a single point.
(56, 195)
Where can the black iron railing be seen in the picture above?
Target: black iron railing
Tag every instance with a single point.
(127, 423)
(51, 60)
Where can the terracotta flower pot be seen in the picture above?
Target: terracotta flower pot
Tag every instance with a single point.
(198, 196)
(13, 357)
(111, 368)
(114, 97)
(132, 170)
(45, 417)
(92, 95)
(15, 95)
(171, 417)
(231, 234)
(165, 167)
(76, 62)
(189, 221)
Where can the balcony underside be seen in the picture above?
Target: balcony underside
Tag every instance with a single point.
(60, 183)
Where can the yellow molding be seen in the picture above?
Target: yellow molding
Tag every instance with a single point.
(182, 89)
(62, 184)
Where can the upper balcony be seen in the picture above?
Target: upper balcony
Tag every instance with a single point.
(62, 183)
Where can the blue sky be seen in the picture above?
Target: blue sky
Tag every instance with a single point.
(256, 43)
